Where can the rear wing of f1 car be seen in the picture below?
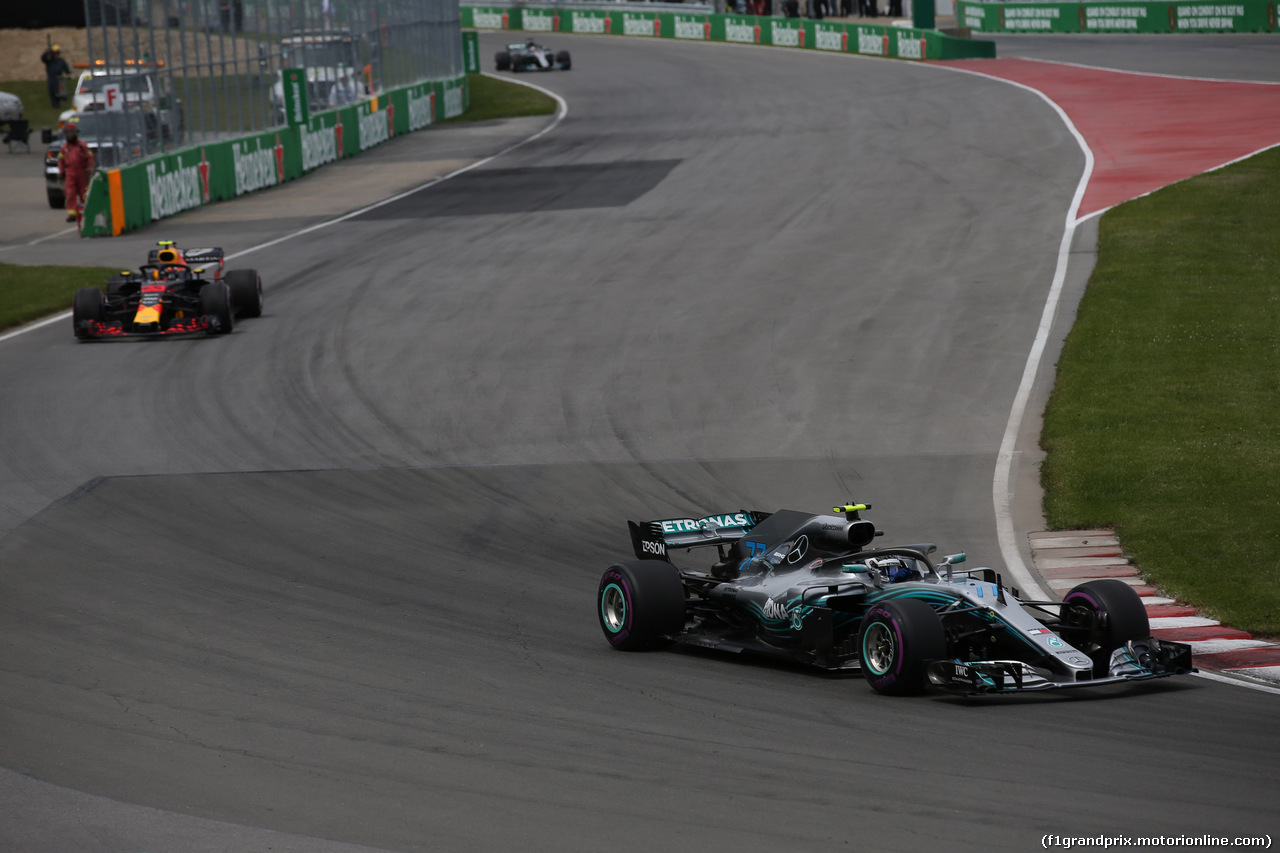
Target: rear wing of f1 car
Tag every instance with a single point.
(194, 257)
(651, 539)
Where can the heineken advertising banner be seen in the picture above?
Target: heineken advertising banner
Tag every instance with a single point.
(1247, 16)
(123, 199)
(889, 41)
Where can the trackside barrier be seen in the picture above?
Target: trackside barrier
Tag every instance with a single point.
(123, 199)
(865, 39)
(1240, 16)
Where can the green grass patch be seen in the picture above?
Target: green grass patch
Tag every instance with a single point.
(35, 102)
(29, 293)
(1164, 422)
(493, 98)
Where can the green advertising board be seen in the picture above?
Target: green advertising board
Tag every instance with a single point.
(891, 41)
(1246, 16)
(296, 108)
(123, 199)
(471, 52)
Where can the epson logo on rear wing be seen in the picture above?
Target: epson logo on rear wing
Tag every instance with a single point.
(647, 545)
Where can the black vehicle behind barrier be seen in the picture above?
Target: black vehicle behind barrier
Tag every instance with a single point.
(809, 588)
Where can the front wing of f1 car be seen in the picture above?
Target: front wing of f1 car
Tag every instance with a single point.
(1137, 660)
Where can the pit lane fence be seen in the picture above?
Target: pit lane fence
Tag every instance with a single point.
(864, 39)
(1241, 16)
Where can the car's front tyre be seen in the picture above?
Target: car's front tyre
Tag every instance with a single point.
(1100, 616)
(897, 641)
(640, 604)
(88, 305)
(215, 302)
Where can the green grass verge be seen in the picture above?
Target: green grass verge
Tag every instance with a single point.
(35, 103)
(1164, 419)
(493, 98)
(29, 293)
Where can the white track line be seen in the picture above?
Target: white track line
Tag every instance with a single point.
(1238, 682)
(39, 240)
(31, 327)
(1002, 485)
(1142, 73)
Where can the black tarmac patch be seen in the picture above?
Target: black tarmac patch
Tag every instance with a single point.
(531, 190)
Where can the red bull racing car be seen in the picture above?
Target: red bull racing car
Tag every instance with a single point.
(176, 292)
(809, 588)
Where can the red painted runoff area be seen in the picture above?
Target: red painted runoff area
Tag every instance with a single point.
(1147, 131)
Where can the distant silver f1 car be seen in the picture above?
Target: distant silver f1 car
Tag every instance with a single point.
(530, 56)
(807, 588)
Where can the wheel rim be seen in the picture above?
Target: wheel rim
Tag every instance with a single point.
(878, 648)
(613, 608)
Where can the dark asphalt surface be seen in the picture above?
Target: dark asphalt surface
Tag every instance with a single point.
(327, 583)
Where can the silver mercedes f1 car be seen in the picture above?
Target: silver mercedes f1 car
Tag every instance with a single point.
(809, 588)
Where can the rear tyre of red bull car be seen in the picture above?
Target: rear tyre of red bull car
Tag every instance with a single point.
(215, 303)
(640, 604)
(88, 306)
(896, 642)
(246, 292)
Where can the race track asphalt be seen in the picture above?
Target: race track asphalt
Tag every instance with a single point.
(328, 583)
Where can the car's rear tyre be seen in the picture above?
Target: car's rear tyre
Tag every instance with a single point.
(215, 301)
(502, 60)
(640, 603)
(57, 198)
(246, 292)
(562, 59)
(89, 304)
(1100, 616)
(897, 641)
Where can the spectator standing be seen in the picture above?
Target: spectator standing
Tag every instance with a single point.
(75, 165)
(55, 68)
(791, 8)
(343, 91)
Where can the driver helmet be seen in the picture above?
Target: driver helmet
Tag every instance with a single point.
(893, 569)
(170, 255)
(171, 263)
